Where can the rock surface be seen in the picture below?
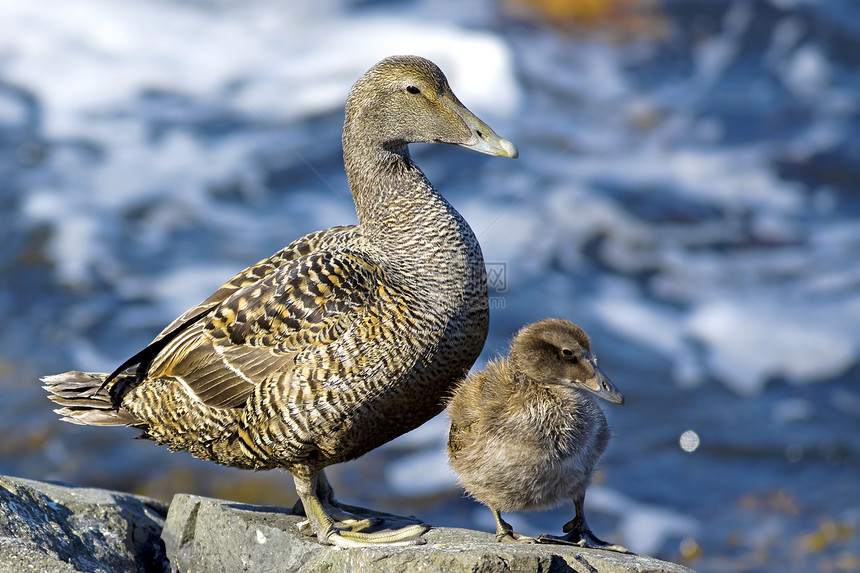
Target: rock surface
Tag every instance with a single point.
(53, 528)
(56, 528)
(207, 535)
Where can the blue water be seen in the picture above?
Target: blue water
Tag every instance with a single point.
(686, 191)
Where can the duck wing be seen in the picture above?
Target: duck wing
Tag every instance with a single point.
(254, 320)
(257, 272)
(256, 332)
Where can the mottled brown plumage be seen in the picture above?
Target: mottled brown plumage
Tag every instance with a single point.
(341, 341)
(526, 432)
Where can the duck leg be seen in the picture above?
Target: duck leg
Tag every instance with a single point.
(577, 532)
(506, 534)
(345, 516)
(342, 519)
(326, 493)
(322, 524)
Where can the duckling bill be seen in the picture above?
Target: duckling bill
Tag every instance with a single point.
(526, 433)
(338, 343)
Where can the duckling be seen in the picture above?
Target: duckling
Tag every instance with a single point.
(526, 432)
(340, 342)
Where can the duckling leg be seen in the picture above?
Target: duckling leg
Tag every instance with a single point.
(506, 534)
(328, 534)
(577, 532)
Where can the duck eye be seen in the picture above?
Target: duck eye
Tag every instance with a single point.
(413, 90)
(567, 353)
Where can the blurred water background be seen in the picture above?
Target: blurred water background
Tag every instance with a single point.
(687, 191)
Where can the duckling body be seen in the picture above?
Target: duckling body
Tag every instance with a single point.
(534, 447)
(341, 341)
(527, 432)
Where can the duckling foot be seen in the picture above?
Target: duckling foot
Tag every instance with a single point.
(514, 537)
(577, 533)
(581, 539)
(506, 534)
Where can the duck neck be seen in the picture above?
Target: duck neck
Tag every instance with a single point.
(401, 215)
(386, 186)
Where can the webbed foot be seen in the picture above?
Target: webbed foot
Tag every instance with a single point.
(506, 534)
(348, 526)
(514, 537)
(341, 518)
(577, 533)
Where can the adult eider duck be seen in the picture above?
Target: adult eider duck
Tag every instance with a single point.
(526, 432)
(340, 342)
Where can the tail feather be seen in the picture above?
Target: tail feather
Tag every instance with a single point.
(166, 414)
(84, 401)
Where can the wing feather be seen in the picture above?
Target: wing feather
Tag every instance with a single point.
(257, 330)
(257, 272)
(182, 336)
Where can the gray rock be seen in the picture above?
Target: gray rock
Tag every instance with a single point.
(211, 536)
(54, 528)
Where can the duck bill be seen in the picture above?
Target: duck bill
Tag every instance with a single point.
(600, 385)
(483, 139)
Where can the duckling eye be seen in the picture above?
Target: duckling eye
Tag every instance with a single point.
(413, 90)
(567, 353)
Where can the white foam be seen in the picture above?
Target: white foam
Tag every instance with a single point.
(807, 74)
(92, 63)
(750, 343)
(88, 358)
(433, 434)
(712, 56)
(13, 112)
(424, 473)
(787, 32)
(182, 288)
(524, 247)
(427, 471)
(624, 311)
(107, 55)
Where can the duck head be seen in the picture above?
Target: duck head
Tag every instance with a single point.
(406, 99)
(556, 351)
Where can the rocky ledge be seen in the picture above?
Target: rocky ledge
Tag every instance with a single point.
(52, 528)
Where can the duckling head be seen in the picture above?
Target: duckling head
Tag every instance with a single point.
(407, 99)
(556, 351)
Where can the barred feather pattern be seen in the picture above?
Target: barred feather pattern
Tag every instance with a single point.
(341, 341)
